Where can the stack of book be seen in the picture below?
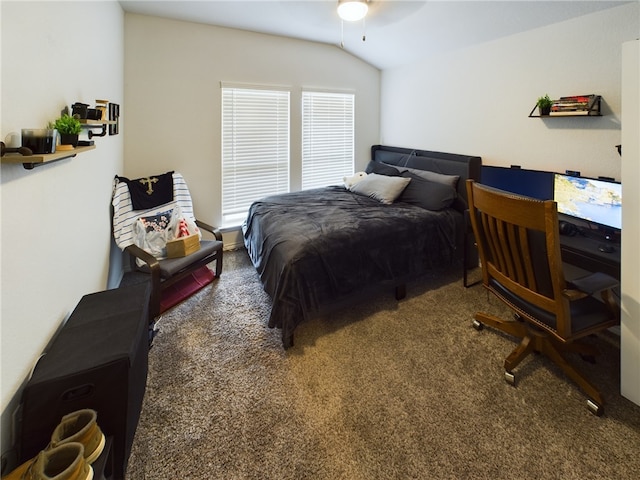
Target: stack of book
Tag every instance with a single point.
(576, 105)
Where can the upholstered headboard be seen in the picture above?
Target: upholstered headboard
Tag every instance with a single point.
(466, 166)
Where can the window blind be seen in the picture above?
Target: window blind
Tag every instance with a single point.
(255, 148)
(327, 138)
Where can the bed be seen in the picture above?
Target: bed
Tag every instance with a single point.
(321, 248)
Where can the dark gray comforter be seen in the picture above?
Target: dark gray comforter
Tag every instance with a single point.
(320, 246)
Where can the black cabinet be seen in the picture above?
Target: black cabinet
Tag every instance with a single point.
(98, 361)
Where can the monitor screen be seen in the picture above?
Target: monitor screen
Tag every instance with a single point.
(531, 183)
(596, 201)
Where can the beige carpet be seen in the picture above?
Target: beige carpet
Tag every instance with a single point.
(383, 390)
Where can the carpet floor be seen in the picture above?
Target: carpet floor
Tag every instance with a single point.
(379, 390)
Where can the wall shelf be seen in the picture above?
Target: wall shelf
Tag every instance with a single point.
(32, 161)
(575, 106)
(96, 123)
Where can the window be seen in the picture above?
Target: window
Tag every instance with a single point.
(327, 138)
(255, 148)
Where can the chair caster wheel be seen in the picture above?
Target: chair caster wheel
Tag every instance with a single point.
(594, 408)
(510, 378)
(477, 325)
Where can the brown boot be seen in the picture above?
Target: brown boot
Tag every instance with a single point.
(80, 426)
(65, 462)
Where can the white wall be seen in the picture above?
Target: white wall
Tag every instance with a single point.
(55, 219)
(173, 72)
(477, 101)
(630, 329)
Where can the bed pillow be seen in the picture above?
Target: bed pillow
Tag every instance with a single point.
(382, 169)
(383, 188)
(427, 194)
(451, 180)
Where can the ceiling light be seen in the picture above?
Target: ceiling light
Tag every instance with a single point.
(352, 10)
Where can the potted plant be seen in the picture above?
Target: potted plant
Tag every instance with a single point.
(69, 129)
(544, 105)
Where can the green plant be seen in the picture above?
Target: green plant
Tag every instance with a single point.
(544, 102)
(67, 124)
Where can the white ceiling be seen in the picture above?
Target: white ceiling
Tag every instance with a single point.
(397, 31)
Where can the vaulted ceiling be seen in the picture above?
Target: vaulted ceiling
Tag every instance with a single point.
(396, 32)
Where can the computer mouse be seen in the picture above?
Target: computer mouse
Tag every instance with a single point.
(605, 248)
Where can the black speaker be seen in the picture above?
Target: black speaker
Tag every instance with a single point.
(98, 360)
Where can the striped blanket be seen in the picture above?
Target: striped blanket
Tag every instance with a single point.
(124, 216)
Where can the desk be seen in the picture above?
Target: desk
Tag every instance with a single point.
(583, 252)
(580, 251)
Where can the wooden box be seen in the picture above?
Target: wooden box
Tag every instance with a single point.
(183, 246)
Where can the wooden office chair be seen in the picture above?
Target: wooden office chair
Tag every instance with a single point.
(519, 247)
(164, 272)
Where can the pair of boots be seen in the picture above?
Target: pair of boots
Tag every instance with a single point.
(75, 444)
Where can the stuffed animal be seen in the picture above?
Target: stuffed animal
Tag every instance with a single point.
(355, 178)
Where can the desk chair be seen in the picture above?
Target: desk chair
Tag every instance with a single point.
(519, 247)
(164, 272)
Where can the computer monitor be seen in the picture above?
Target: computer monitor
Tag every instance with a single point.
(593, 200)
(531, 183)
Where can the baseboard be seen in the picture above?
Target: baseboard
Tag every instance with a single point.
(232, 238)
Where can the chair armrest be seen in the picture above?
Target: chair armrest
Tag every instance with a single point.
(154, 271)
(594, 282)
(209, 228)
(146, 257)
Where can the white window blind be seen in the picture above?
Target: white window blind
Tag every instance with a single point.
(255, 148)
(327, 138)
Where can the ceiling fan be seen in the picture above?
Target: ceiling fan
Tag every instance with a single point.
(379, 11)
(322, 15)
(352, 10)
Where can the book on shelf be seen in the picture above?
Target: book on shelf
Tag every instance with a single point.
(569, 110)
(566, 113)
(574, 105)
(577, 99)
(569, 106)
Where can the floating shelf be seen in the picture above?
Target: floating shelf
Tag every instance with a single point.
(32, 161)
(576, 106)
(96, 123)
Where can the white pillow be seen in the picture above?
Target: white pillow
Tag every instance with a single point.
(383, 188)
